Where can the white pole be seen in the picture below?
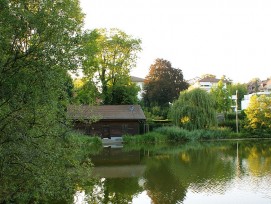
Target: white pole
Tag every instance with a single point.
(236, 106)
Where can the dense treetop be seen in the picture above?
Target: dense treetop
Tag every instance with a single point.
(163, 84)
(110, 54)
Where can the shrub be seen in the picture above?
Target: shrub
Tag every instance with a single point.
(179, 134)
(216, 133)
(84, 143)
(173, 133)
(229, 123)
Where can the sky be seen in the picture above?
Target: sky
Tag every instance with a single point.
(219, 37)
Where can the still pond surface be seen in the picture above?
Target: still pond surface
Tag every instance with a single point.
(206, 172)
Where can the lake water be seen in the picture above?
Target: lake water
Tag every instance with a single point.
(206, 172)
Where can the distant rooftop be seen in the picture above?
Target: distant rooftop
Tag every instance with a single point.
(136, 79)
(209, 79)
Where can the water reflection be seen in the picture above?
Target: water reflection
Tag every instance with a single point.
(114, 163)
(209, 172)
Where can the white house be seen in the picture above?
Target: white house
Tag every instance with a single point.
(207, 83)
(139, 82)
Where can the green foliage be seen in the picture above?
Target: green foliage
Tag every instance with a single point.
(194, 110)
(109, 57)
(69, 87)
(176, 134)
(86, 93)
(222, 98)
(154, 124)
(232, 116)
(124, 94)
(148, 138)
(39, 44)
(259, 114)
(230, 124)
(85, 143)
(163, 84)
(230, 121)
(242, 90)
(155, 113)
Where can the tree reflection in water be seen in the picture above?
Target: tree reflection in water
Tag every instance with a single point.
(162, 185)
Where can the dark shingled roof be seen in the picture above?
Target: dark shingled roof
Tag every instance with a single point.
(106, 112)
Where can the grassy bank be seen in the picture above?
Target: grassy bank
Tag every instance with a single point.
(83, 145)
(177, 134)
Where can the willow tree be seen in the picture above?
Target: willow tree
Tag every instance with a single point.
(38, 46)
(109, 57)
(194, 110)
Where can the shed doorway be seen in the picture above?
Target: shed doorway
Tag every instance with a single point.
(106, 132)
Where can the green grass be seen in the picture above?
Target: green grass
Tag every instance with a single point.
(177, 134)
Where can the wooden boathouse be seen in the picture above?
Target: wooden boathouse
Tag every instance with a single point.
(107, 121)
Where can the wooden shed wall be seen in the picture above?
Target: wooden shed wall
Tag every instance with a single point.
(106, 129)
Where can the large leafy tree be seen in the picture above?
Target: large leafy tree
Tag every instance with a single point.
(163, 84)
(110, 56)
(38, 45)
(259, 113)
(222, 97)
(194, 110)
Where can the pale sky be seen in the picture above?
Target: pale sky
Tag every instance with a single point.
(220, 37)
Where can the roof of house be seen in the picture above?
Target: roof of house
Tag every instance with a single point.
(136, 79)
(209, 79)
(106, 112)
(267, 83)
